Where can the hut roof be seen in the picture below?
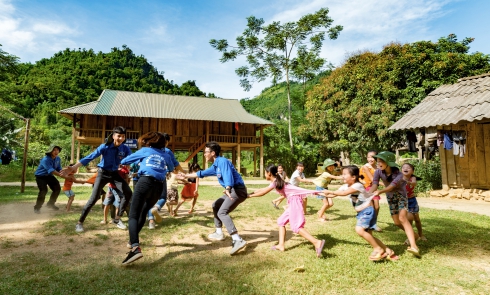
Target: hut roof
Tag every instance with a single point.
(153, 105)
(467, 100)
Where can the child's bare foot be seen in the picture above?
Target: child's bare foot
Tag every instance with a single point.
(190, 211)
(278, 247)
(175, 213)
(103, 222)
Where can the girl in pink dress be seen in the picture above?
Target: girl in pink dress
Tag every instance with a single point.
(294, 214)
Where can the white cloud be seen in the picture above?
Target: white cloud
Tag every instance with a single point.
(32, 35)
(370, 24)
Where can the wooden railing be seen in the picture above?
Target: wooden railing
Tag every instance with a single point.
(97, 133)
(223, 138)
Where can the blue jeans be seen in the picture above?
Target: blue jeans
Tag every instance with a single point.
(160, 202)
(146, 194)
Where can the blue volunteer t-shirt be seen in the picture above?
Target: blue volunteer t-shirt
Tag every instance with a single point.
(48, 165)
(111, 156)
(224, 170)
(152, 162)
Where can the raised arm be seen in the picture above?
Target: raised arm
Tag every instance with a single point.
(260, 192)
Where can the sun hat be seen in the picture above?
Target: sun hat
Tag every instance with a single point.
(51, 148)
(327, 162)
(388, 157)
(119, 130)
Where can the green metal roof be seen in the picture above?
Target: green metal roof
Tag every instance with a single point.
(153, 105)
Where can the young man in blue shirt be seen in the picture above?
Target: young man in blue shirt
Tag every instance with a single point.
(113, 151)
(49, 167)
(235, 193)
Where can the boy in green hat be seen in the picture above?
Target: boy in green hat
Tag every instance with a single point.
(396, 194)
(322, 183)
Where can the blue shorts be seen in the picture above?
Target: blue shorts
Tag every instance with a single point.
(367, 218)
(112, 198)
(319, 188)
(413, 205)
(69, 193)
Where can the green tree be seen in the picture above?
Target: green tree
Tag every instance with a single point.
(269, 49)
(352, 109)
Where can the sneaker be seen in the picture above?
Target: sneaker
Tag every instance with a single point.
(156, 214)
(118, 223)
(52, 206)
(216, 236)
(151, 225)
(79, 228)
(133, 256)
(237, 245)
(37, 211)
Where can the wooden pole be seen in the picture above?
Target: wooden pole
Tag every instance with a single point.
(24, 160)
(255, 162)
(73, 131)
(261, 151)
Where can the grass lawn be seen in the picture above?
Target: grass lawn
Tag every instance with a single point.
(179, 259)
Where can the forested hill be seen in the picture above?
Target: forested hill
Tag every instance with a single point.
(272, 102)
(73, 77)
(70, 78)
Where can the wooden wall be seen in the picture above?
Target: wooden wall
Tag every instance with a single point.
(182, 131)
(473, 170)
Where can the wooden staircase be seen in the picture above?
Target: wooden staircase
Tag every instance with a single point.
(195, 148)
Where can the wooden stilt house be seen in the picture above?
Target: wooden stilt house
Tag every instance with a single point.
(457, 114)
(190, 122)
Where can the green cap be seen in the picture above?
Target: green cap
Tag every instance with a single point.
(327, 162)
(51, 148)
(388, 157)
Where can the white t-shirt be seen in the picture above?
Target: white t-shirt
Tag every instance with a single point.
(293, 179)
(357, 199)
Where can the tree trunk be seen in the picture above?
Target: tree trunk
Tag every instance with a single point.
(289, 114)
(344, 155)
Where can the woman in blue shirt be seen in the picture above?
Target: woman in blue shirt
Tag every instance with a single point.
(113, 151)
(152, 176)
(49, 167)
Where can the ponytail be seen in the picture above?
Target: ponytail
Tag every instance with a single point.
(272, 169)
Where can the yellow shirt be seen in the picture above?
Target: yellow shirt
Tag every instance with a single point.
(323, 180)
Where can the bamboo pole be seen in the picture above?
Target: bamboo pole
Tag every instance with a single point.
(24, 160)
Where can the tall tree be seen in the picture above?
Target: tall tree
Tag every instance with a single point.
(269, 49)
(352, 109)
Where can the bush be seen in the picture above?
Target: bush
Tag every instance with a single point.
(430, 172)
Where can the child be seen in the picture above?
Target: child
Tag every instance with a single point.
(172, 191)
(396, 194)
(366, 219)
(284, 176)
(322, 183)
(153, 169)
(112, 199)
(190, 190)
(67, 188)
(294, 214)
(297, 177)
(367, 171)
(413, 206)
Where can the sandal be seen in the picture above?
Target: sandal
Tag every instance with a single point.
(414, 251)
(377, 256)
(391, 256)
(275, 205)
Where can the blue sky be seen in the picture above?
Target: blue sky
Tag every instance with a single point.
(174, 35)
